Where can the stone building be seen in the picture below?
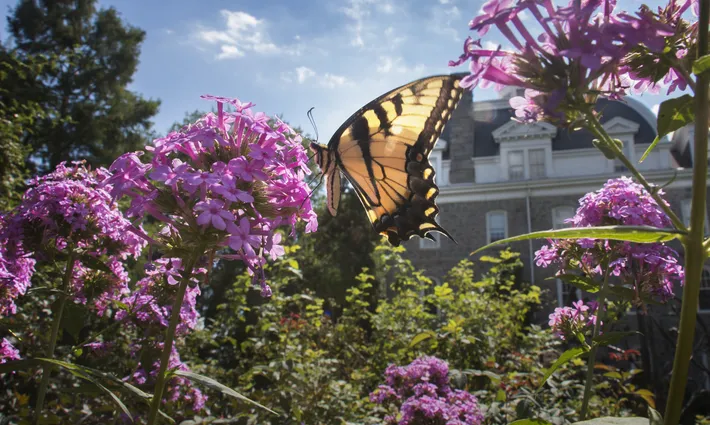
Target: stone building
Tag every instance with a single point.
(500, 178)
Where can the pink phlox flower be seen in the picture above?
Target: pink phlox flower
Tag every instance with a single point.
(212, 211)
(241, 238)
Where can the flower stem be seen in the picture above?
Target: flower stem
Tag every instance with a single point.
(598, 129)
(695, 254)
(56, 325)
(169, 337)
(593, 351)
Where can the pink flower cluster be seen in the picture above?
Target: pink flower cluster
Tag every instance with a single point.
(569, 322)
(574, 53)
(8, 352)
(150, 302)
(228, 180)
(421, 394)
(177, 388)
(68, 211)
(651, 269)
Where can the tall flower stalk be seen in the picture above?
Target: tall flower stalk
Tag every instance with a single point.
(587, 50)
(170, 335)
(695, 253)
(223, 185)
(52, 343)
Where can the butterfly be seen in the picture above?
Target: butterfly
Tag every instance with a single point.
(383, 150)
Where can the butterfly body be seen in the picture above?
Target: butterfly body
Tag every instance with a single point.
(383, 150)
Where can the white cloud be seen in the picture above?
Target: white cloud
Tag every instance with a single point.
(332, 81)
(303, 74)
(242, 34)
(358, 11)
(444, 21)
(389, 64)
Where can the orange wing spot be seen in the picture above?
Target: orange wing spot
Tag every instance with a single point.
(425, 226)
(430, 194)
(427, 173)
(420, 157)
(430, 211)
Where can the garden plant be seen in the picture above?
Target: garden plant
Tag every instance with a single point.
(111, 311)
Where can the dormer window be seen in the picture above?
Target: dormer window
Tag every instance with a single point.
(516, 165)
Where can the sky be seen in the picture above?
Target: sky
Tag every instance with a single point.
(287, 56)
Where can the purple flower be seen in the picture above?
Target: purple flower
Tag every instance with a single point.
(8, 352)
(421, 393)
(651, 269)
(222, 167)
(213, 212)
(241, 239)
(70, 208)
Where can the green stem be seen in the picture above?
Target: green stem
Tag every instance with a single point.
(598, 129)
(593, 350)
(168, 342)
(694, 253)
(56, 325)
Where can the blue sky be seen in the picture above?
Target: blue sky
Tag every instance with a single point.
(289, 55)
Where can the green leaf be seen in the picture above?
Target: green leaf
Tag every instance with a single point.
(641, 234)
(530, 422)
(17, 365)
(421, 337)
(610, 420)
(73, 319)
(672, 115)
(113, 396)
(701, 64)
(584, 283)
(648, 396)
(94, 263)
(79, 372)
(622, 292)
(564, 358)
(213, 384)
(610, 338)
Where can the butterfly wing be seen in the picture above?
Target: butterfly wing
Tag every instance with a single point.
(383, 150)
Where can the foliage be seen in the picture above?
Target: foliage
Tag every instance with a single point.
(17, 117)
(89, 112)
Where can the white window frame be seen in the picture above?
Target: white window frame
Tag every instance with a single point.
(488, 224)
(523, 171)
(685, 215)
(562, 225)
(530, 164)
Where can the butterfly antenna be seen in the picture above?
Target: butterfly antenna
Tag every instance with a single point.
(313, 122)
(314, 189)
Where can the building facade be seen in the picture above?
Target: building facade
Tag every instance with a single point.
(500, 178)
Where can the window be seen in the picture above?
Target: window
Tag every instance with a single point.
(685, 213)
(537, 163)
(496, 226)
(516, 166)
(559, 215)
(704, 302)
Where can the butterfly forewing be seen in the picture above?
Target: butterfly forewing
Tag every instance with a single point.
(383, 150)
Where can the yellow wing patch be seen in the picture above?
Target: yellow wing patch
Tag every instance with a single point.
(383, 151)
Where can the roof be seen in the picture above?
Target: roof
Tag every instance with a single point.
(486, 121)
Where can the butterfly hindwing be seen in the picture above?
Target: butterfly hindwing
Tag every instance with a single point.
(383, 150)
